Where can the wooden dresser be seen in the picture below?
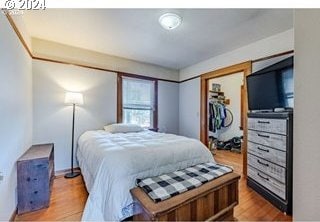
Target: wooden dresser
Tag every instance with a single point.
(270, 157)
(35, 172)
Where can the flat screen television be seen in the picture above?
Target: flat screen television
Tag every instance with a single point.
(271, 87)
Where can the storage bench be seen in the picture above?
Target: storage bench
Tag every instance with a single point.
(212, 201)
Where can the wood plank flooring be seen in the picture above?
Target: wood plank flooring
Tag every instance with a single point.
(252, 206)
(68, 198)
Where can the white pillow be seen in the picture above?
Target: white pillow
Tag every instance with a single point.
(123, 128)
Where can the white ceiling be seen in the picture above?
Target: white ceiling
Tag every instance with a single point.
(136, 34)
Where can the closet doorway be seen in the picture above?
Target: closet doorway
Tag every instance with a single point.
(229, 99)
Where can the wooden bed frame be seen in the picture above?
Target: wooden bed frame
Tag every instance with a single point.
(213, 201)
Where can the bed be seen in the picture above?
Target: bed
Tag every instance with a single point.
(111, 163)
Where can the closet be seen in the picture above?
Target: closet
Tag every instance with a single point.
(225, 113)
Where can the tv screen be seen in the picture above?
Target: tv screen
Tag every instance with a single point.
(270, 90)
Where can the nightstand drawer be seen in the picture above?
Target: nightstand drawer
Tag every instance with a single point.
(268, 182)
(268, 139)
(278, 126)
(267, 153)
(269, 168)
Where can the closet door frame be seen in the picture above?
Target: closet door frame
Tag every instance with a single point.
(246, 68)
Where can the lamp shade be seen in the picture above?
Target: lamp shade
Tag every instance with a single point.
(73, 98)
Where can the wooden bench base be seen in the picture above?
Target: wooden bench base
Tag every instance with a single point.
(212, 201)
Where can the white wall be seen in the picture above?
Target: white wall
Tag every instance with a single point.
(58, 51)
(189, 108)
(306, 151)
(52, 118)
(15, 112)
(231, 86)
(265, 47)
(265, 63)
(168, 107)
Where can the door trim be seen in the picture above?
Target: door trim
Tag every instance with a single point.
(244, 67)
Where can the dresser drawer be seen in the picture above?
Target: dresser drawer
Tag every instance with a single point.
(272, 155)
(269, 168)
(268, 125)
(268, 182)
(268, 139)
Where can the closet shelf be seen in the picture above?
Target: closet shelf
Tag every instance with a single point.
(217, 92)
(218, 96)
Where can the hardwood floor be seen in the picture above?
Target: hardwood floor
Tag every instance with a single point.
(252, 206)
(229, 158)
(67, 201)
(69, 196)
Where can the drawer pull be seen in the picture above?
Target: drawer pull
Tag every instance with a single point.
(265, 136)
(264, 150)
(265, 178)
(35, 192)
(264, 122)
(264, 164)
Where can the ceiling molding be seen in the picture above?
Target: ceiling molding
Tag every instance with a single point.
(273, 56)
(16, 30)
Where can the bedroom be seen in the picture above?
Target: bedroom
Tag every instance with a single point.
(106, 54)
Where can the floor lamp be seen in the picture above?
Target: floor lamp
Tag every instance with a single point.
(73, 99)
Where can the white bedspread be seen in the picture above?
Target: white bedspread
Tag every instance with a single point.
(111, 163)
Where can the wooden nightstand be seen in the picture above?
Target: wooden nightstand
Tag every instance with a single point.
(35, 172)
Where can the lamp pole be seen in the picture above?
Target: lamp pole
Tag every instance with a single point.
(72, 174)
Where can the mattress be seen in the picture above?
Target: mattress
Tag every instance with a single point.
(111, 163)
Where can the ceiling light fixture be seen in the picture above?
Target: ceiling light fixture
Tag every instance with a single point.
(170, 21)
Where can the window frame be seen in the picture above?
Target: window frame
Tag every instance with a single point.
(154, 126)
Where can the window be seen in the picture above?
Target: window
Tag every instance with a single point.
(138, 101)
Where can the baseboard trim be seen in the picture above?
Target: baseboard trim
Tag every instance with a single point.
(13, 215)
(61, 173)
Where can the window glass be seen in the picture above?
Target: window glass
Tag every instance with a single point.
(137, 101)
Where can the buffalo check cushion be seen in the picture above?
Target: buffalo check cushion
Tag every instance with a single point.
(171, 184)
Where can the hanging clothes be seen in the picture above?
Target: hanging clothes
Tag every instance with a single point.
(217, 115)
(225, 116)
(211, 118)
